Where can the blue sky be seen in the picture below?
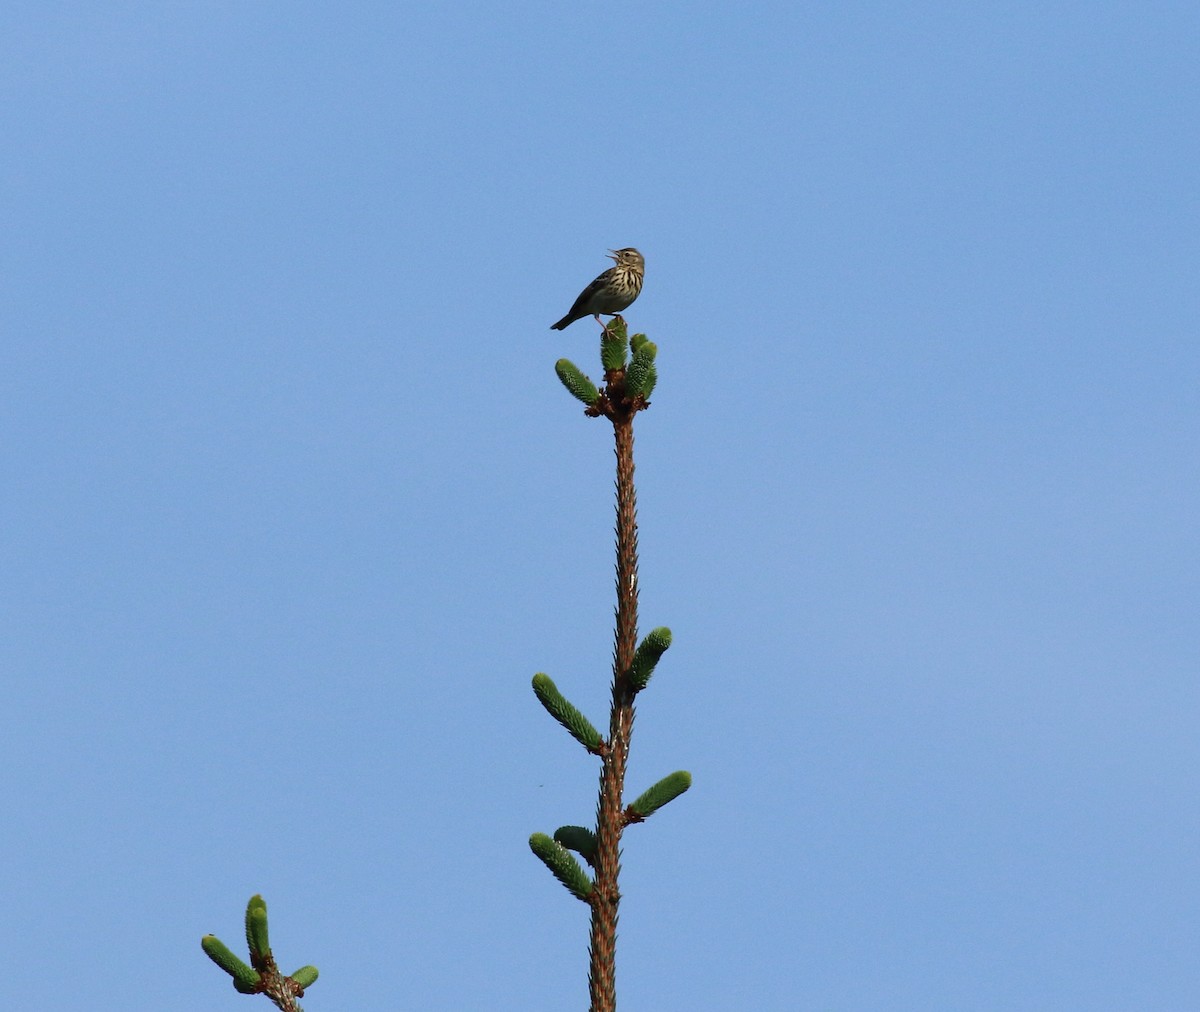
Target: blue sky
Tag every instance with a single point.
(295, 506)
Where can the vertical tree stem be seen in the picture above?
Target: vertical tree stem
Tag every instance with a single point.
(610, 812)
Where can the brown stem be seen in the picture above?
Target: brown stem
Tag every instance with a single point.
(609, 815)
(283, 991)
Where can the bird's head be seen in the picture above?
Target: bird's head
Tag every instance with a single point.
(628, 257)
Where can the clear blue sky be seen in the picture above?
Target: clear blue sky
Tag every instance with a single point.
(294, 507)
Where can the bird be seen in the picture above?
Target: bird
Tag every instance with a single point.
(612, 291)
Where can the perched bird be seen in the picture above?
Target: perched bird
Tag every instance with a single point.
(613, 291)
